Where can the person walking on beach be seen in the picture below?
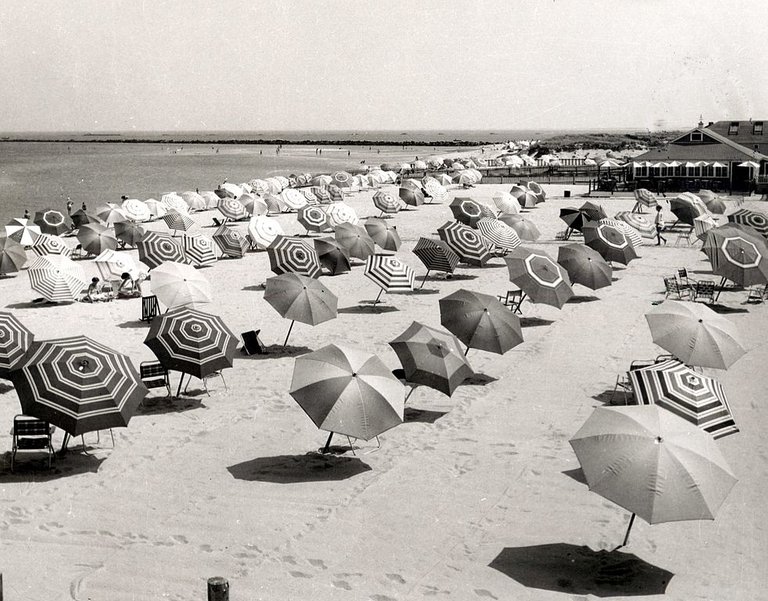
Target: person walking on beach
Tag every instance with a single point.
(659, 222)
(69, 206)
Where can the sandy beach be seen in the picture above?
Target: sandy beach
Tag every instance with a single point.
(230, 484)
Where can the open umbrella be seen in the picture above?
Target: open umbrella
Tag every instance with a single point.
(23, 231)
(332, 255)
(754, 219)
(411, 194)
(638, 222)
(48, 244)
(342, 179)
(386, 203)
(313, 218)
(585, 266)
(435, 190)
(539, 277)
(194, 201)
(175, 202)
(436, 256)
(716, 205)
(524, 196)
(480, 321)
(198, 250)
(232, 208)
(341, 212)
(322, 194)
(466, 242)
(15, 340)
(158, 247)
(593, 211)
(96, 238)
(178, 221)
(293, 255)
(112, 265)
(652, 463)
(57, 278)
(263, 230)
(78, 385)
(177, 284)
(524, 227)
(300, 298)
(336, 193)
(389, 273)
(355, 240)
(51, 221)
(12, 255)
(575, 218)
(506, 203)
(534, 187)
(631, 233)
(643, 198)
(610, 242)
(156, 208)
(81, 217)
(136, 210)
(498, 234)
(687, 207)
(432, 358)
(293, 199)
(383, 234)
(129, 233)
(467, 211)
(230, 242)
(110, 213)
(737, 255)
(348, 391)
(702, 224)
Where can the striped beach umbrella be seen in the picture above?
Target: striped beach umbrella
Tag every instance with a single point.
(386, 203)
(341, 212)
(466, 210)
(524, 196)
(313, 218)
(174, 201)
(48, 244)
(322, 194)
(15, 340)
(332, 255)
(51, 221)
(432, 357)
(178, 222)
(322, 180)
(112, 265)
(259, 186)
(158, 247)
(194, 201)
(383, 234)
(480, 321)
(702, 224)
(292, 255)
(78, 384)
(737, 256)
(336, 193)
(293, 199)
(695, 334)
(523, 227)
(631, 233)
(435, 190)
(198, 250)
(230, 242)
(436, 255)
(585, 266)
(129, 233)
(690, 395)
(643, 198)
(347, 391)
(57, 278)
(300, 298)
(466, 242)
(342, 179)
(310, 195)
(136, 210)
(389, 273)
(497, 233)
(232, 209)
(354, 239)
(179, 284)
(539, 277)
(12, 255)
(754, 219)
(23, 231)
(506, 203)
(411, 194)
(263, 230)
(638, 222)
(612, 244)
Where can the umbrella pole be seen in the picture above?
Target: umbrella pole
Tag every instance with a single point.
(720, 288)
(626, 536)
(64, 443)
(466, 351)
(424, 281)
(378, 297)
(408, 396)
(181, 380)
(289, 333)
(327, 446)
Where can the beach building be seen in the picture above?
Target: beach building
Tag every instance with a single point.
(726, 156)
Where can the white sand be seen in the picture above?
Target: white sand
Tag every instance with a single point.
(188, 492)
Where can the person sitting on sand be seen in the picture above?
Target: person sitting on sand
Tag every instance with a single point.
(128, 286)
(93, 295)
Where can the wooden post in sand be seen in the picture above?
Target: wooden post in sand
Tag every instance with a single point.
(218, 589)
(1, 586)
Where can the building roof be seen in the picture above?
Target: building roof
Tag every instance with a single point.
(714, 147)
(746, 135)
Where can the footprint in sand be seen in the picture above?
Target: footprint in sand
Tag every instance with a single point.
(481, 592)
(297, 574)
(396, 578)
(381, 598)
(342, 584)
(318, 563)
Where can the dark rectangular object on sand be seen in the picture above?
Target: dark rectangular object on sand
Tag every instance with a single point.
(251, 343)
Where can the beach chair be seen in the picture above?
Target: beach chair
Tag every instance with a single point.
(623, 382)
(704, 290)
(757, 294)
(252, 345)
(149, 307)
(204, 380)
(672, 288)
(685, 282)
(684, 236)
(155, 375)
(31, 435)
(512, 300)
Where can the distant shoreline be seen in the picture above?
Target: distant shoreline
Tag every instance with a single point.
(244, 141)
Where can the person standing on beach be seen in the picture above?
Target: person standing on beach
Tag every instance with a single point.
(69, 206)
(659, 222)
(26, 213)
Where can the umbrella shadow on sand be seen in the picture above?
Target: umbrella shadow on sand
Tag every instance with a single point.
(609, 396)
(133, 324)
(366, 309)
(579, 570)
(479, 380)
(32, 304)
(34, 469)
(292, 469)
(413, 415)
(531, 322)
(162, 405)
(583, 298)
(276, 351)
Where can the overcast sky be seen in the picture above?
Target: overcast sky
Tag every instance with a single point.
(101, 65)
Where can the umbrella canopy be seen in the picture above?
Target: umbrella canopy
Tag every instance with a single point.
(341, 212)
(57, 278)
(129, 233)
(524, 227)
(332, 255)
(539, 277)
(177, 221)
(342, 179)
(431, 357)
(389, 273)
(48, 244)
(336, 193)
(354, 239)
(12, 255)
(593, 211)
(716, 206)
(534, 187)
(631, 233)
(232, 208)
(436, 255)
(506, 203)
(386, 203)
(322, 194)
(313, 218)
(156, 208)
(177, 284)
(293, 199)
(466, 210)
(51, 221)
(497, 233)
(231, 190)
(575, 218)
(15, 340)
(293, 255)
(645, 197)
(754, 219)
(263, 230)
(112, 265)
(695, 334)
(737, 255)
(653, 463)
(466, 242)
(702, 224)
(585, 266)
(158, 247)
(198, 250)
(435, 190)
(480, 321)
(110, 213)
(23, 231)
(638, 222)
(348, 391)
(192, 342)
(610, 242)
(524, 196)
(230, 242)
(173, 201)
(96, 238)
(254, 205)
(694, 397)
(383, 234)
(411, 195)
(194, 201)
(301, 298)
(311, 197)
(687, 207)
(136, 210)
(80, 217)
(78, 385)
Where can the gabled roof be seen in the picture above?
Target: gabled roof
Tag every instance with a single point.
(716, 148)
(745, 135)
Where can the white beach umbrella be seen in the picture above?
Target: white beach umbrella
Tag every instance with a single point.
(136, 210)
(112, 264)
(156, 208)
(263, 230)
(174, 201)
(23, 231)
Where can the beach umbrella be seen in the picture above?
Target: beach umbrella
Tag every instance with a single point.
(754, 219)
(292, 255)
(322, 195)
(687, 207)
(638, 222)
(259, 186)
(466, 242)
(78, 385)
(232, 208)
(332, 255)
(313, 218)
(383, 234)
(194, 201)
(173, 201)
(539, 277)
(322, 180)
(688, 394)
(274, 203)
(57, 278)
(340, 212)
(386, 203)
(537, 190)
(110, 213)
(231, 190)
(198, 250)
(480, 321)
(389, 273)
(585, 266)
(335, 193)
(80, 217)
(178, 222)
(293, 199)
(466, 210)
(643, 198)
(51, 221)
(631, 233)
(23, 231)
(254, 205)
(702, 224)
(347, 391)
(444, 179)
(136, 210)
(129, 233)
(431, 357)
(436, 255)
(524, 227)
(263, 230)
(737, 255)
(524, 196)
(192, 342)
(300, 298)
(12, 255)
(593, 211)
(497, 233)
(156, 208)
(575, 218)
(411, 195)
(652, 463)
(15, 340)
(611, 243)
(435, 190)
(695, 334)
(179, 284)
(96, 238)
(342, 179)
(506, 203)
(112, 265)
(158, 247)
(230, 242)
(48, 244)
(310, 195)
(716, 206)
(354, 239)
(211, 199)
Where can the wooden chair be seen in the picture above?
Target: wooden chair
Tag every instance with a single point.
(704, 290)
(149, 308)
(155, 375)
(31, 435)
(672, 288)
(512, 300)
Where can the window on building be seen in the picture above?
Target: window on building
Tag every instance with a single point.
(697, 136)
(757, 128)
(733, 130)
